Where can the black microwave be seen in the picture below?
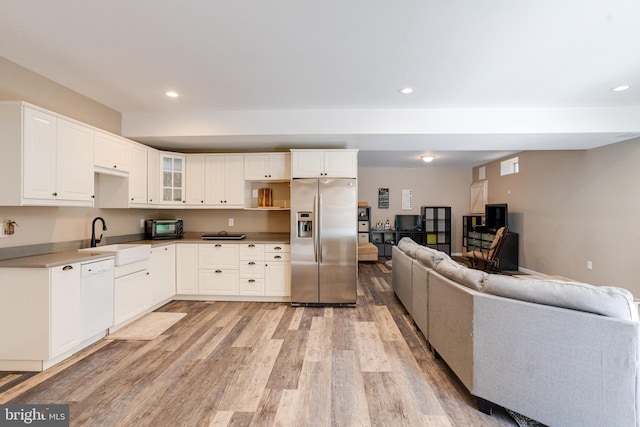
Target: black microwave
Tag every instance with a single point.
(155, 229)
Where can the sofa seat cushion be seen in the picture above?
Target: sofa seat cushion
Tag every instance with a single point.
(465, 276)
(430, 257)
(604, 300)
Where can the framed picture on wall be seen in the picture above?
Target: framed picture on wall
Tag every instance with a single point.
(383, 198)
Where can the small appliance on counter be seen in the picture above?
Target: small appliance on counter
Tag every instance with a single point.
(157, 229)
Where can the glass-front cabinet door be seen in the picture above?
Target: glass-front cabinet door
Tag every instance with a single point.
(172, 178)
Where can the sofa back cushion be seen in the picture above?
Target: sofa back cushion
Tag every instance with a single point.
(465, 276)
(430, 257)
(604, 300)
(408, 246)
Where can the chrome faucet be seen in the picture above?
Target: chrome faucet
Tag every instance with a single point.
(95, 241)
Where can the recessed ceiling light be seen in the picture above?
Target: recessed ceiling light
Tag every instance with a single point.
(428, 158)
(406, 90)
(172, 94)
(620, 88)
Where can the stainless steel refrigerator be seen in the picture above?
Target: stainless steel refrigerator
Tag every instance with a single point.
(324, 262)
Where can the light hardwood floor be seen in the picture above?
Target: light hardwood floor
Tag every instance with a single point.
(241, 363)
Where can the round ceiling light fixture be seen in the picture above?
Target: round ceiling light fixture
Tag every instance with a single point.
(620, 88)
(172, 94)
(428, 159)
(406, 90)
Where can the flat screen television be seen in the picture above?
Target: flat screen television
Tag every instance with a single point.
(496, 216)
(408, 222)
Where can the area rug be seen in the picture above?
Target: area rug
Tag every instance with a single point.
(148, 327)
(524, 421)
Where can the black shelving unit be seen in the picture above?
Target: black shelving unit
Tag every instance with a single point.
(384, 241)
(469, 223)
(364, 223)
(436, 226)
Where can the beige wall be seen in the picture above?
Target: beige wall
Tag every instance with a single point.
(571, 207)
(431, 185)
(214, 220)
(20, 84)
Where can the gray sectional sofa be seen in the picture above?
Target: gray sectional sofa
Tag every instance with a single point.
(562, 353)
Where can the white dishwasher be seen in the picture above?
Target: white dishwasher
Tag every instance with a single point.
(97, 297)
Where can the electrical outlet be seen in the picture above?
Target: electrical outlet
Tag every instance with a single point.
(589, 265)
(142, 223)
(231, 222)
(254, 193)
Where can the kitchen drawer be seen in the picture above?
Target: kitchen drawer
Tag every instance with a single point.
(252, 251)
(274, 256)
(251, 286)
(218, 282)
(218, 255)
(252, 269)
(277, 247)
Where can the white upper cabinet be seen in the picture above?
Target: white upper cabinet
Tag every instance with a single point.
(165, 185)
(324, 163)
(224, 184)
(74, 161)
(195, 180)
(267, 167)
(45, 157)
(172, 178)
(111, 154)
(138, 176)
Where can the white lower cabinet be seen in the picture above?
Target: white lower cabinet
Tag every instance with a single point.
(234, 271)
(66, 308)
(277, 270)
(218, 269)
(41, 311)
(218, 282)
(162, 271)
(187, 268)
(132, 292)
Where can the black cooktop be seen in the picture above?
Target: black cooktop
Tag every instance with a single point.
(223, 235)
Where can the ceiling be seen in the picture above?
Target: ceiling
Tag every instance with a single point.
(490, 77)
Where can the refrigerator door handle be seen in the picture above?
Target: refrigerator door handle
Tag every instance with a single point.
(319, 218)
(315, 228)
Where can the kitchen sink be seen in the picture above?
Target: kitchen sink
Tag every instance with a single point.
(123, 253)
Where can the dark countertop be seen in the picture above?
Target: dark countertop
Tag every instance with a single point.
(54, 259)
(70, 256)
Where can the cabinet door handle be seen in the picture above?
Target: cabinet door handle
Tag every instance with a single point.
(55, 194)
(67, 267)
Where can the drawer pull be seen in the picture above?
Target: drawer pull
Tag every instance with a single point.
(252, 246)
(218, 271)
(251, 281)
(218, 245)
(277, 257)
(67, 267)
(252, 263)
(277, 248)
